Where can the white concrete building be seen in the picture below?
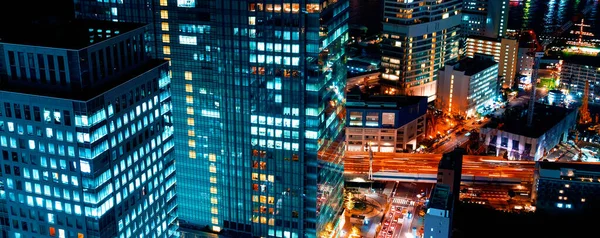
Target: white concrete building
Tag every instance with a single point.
(466, 87)
(504, 51)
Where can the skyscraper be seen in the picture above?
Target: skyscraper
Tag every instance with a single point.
(85, 133)
(420, 36)
(488, 18)
(258, 109)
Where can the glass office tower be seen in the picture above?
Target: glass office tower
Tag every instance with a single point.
(420, 36)
(258, 92)
(86, 142)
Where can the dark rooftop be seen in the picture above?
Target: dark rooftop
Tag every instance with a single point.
(475, 64)
(545, 117)
(440, 197)
(581, 166)
(84, 94)
(593, 61)
(358, 99)
(72, 35)
(452, 160)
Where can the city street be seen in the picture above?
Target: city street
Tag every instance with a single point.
(403, 214)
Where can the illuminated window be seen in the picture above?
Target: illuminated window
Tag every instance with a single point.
(163, 3)
(213, 190)
(188, 75)
(188, 88)
(190, 121)
(189, 99)
(251, 20)
(191, 143)
(166, 38)
(212, 168)
(164, 14)
(165, 26)
(215, 220)
(271, 221)
(190, 110)
(213, 179)
(214, 201)
(191, 133)
(167, 50)
(212, 157)
(214, 210)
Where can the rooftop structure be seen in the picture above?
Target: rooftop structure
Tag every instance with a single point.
(510, 134)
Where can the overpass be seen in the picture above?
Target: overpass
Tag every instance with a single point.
(423, 168)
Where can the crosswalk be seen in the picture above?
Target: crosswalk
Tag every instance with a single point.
(401, 201)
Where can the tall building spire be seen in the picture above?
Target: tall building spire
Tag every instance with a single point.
(584, 113)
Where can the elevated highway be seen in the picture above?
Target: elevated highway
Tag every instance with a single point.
(423, 168)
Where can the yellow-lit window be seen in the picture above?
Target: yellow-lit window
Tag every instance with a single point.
(213, 190)
(190, 110)
(214, 210)
(263, 177)
(166, 38)
(191, 133)
(190, 121)
(263, 220)
(164, 14)
(271, 178)
(189, 99)
(188, 88)
(254, 176)
(212, 168)
(188, 75)
(213, 179)
(165, 26)
(169, 59)
(163, 3)
(191, 143)
(271, 221)
(251, 20)
(212, 157)
(263, 199)
(167, 50)
(192, 154)
(216, 228)
(214, 200)
(215, 220)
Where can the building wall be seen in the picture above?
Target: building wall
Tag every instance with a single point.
(487, 18)
(408, 48)
(556, 192)
(437, 223)
(455, 88)
(525, 63)
(575, 75)
(504, 51)
(233, 63)
(386, 140)
(92, 168)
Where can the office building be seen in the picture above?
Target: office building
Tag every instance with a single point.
(576, 70)
(527, 43)
(438, 218)
(566, 187)
(388, 123)
(504, 51)
(450, 171)
(487, 18)
(85, 132)
(258, 92)
(418, 41)
(468, 86)
(511, 136)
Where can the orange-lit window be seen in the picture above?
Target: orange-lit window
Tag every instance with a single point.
(164, 14)
(192, 154)
(191, 143)
(255, 187)
(166, 38)
(188, 88)
(167, 50)
(52, 231)
(191, 133)
(189, 99)
(312, 7)
(165, 26)
(187, 75)
(80, 235)
(190, 121)
(190, 110)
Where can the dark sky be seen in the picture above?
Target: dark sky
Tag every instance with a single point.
(34, 10)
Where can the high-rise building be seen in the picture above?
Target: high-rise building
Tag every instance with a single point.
(258, 92)
(420, 37)
(527, 43)
(438, 219)
(85, 133)
(576, 70)
(488, 18)
(468, 86)
(504, 51)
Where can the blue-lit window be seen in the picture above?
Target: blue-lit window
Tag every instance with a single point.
(31, 144)
(186, 3)
(69, 136)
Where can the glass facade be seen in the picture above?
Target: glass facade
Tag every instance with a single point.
(258, 109)
(93, 161)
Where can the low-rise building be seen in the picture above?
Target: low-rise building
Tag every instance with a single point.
(504, 51)
(388, 123)
(512, 135)
(438, 219)
(566, 187)
(467, 86)
(578, 69)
